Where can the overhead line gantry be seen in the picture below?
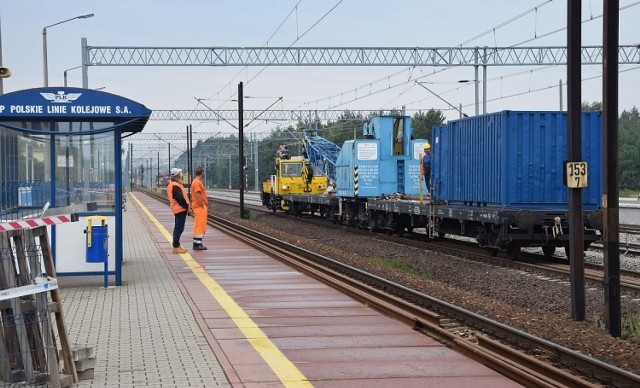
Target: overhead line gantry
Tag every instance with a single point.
(347, 56)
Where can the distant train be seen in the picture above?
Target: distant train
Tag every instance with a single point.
(497, 178)
(164, 180)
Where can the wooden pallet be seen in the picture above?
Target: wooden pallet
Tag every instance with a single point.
(28, 349)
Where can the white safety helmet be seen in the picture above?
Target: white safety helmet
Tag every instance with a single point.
(175, 171)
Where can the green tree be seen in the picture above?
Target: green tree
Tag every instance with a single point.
(629, 149)
(591, 106)
(423, 122)
(628, 145)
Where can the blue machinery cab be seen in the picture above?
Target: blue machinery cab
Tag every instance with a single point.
(385, 161)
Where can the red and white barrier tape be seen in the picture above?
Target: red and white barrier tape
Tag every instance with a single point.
(14, 225)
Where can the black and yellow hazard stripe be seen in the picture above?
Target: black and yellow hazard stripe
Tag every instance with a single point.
(355, 181)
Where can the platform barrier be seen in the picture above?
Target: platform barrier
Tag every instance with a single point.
(28, 297)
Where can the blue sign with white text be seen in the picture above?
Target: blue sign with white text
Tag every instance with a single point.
(68, 103)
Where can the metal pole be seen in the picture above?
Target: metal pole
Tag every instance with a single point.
(189, 150)
(85, 61)
(26, 162)
(610, 155)
(44, 57)
(205, 171)
(1, 79)
(158, 173)
(574, 133)
(117, 167)
(131, 166)
(477, 82)
(66, 170)
(484, 81)
(256, 178)
(560, 87)
(241, 147)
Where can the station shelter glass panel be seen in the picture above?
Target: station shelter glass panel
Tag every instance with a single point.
(61, 152)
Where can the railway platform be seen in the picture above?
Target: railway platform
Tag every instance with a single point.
(232, 316)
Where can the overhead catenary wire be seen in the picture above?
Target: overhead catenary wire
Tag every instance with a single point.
(372, 89)
(368, 85)
(266, 44)
(592, 18)
(539, 89)
(410, 80)
(298, 37)
(506, 23)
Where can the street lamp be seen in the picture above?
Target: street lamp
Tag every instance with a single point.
(44, 44)
(65, 74)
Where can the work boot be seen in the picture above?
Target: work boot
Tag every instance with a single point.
(179, 250)
(199, 248)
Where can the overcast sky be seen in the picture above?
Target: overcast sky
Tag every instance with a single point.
(354, 23)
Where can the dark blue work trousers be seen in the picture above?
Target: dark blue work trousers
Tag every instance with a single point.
(178, 228)
(427, 180)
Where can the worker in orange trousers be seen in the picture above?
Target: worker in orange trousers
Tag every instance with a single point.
(199, 205)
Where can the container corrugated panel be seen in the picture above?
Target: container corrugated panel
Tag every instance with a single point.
(513, 159)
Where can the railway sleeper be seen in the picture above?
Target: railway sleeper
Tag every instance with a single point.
(458, 329)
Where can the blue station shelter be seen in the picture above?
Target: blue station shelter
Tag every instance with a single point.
(60, 153)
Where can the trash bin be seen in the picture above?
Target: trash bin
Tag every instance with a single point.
(98, 244)
(97, 240)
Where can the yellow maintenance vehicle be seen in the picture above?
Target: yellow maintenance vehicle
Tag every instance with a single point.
(294, 175)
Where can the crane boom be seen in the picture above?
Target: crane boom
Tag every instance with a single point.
(321, 153)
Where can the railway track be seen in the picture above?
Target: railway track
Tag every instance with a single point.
(527, 261)
(629, 234)
(629, 240)
(477, 337)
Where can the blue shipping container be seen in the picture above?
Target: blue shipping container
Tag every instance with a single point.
(513, 159)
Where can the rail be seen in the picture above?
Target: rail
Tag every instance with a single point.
(428, 315)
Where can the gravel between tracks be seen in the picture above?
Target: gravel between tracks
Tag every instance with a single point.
(535, 303)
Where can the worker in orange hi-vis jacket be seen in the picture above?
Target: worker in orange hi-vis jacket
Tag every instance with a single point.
(199, 204)
(179, 207)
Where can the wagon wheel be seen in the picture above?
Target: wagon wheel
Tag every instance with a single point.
(273, 202)
(548, 250)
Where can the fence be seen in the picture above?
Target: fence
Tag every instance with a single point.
(22, 199)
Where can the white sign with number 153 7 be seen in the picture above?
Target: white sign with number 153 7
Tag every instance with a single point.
(576, 174)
